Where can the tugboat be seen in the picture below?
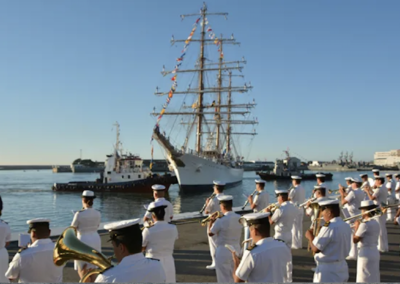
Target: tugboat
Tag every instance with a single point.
(122, 173)
(290, 166)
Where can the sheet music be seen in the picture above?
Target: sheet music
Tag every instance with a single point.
(24, 240)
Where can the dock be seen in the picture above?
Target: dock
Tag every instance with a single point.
(191, 256)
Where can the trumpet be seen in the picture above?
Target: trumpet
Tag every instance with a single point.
(247, 201)
(272, 207)
(216, 214)
(334, 191)
(205, 203)
(68, 247)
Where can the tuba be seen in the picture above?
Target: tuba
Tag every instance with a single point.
(216, 214)
(271, 207)
(68, 247)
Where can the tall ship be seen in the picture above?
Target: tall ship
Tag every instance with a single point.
(213, 110)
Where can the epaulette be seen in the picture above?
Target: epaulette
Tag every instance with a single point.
(327, 224)
(279, 240)
(107, 269)
(21, 250)
(153, 258)
(250, 248)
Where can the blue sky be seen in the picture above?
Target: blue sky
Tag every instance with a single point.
(325, 74)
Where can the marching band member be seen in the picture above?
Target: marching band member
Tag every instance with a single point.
(297, 195)
(366, 234)
(126, 238)
(159, 240)
(283, 217)
(159, 195)
(380, 195)
(319, 194)
(397, 188)
(391, 187)
(86, 222)
(227, 230)
(365, 181)
(321, 182)
(348, 183)
(213, 206)
(352, 201)
(35, 263)
(261, 199)
(5, 237)
(267, 260)
(332, 245)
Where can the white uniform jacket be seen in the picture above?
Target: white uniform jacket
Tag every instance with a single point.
(87, 222)
(159, 241)
(134, 268)
(267, 262)
(381, 195)
(5, 237)
(333, 241)
(169, 211)
(284, 218)
(35, 264)
(261, 200)
(368, 255)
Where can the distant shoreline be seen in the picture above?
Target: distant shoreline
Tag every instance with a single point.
(25, 167)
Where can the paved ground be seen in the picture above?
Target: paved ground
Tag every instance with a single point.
(192, 255)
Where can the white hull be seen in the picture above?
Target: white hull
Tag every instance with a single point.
(200, 172)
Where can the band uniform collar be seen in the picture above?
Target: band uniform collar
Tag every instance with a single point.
(41, 242)
(132, 258)
(265, 240)
(228, 212)
(160, 199)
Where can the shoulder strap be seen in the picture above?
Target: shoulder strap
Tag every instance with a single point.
(152, 258)
(250, 248)
(21, 250)
(327, 224)
(279, 240)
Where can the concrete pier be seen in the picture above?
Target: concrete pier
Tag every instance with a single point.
(192, 255)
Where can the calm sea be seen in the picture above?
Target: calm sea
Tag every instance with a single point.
(28, 194)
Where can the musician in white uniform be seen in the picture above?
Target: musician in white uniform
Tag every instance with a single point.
(380, 195)
(331, 246)
(213, 206)
(367, 235)
(261, 199)
(159, 195)
(297, 195)
(397, 188)
(319, 194)
(35, 263)
(87, 222)
(5, 237)
(321, 182)
(126, 238)
(227, 230)
(391, 187)
(159, 240)
(365, 180)
(268, 260)
(283, 217)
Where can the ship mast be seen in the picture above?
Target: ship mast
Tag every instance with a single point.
(201, 78)
(228, 132)
(218, 108)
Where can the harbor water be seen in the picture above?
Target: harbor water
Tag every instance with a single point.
(27, 195)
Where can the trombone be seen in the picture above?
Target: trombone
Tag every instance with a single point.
(68, 247)
(205, 203)
(380, 211)
(216, 214)
(247, 201)
(309, 200)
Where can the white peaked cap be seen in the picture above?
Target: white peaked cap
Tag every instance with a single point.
(217, 182)
(375, 171)
(296, 177)
(319, 186)
(279, 191)
(328, 201)
(348, 178)
(259, 181)
(320, 175)
(363, 175)
(256, 216)
(376, 177)
(355, 180)
(388, 174)
(88, 193)
(367, 203)
(121, 224)
(397, 175)
(157, 187)
(225, 198)
(38, 220)
(156, 204)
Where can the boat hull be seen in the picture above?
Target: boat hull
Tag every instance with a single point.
(269, 177)
(196, 173)
(143, 185)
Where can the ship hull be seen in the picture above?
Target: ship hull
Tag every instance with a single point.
(269, 177)
(199, 173)
(143, 185)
